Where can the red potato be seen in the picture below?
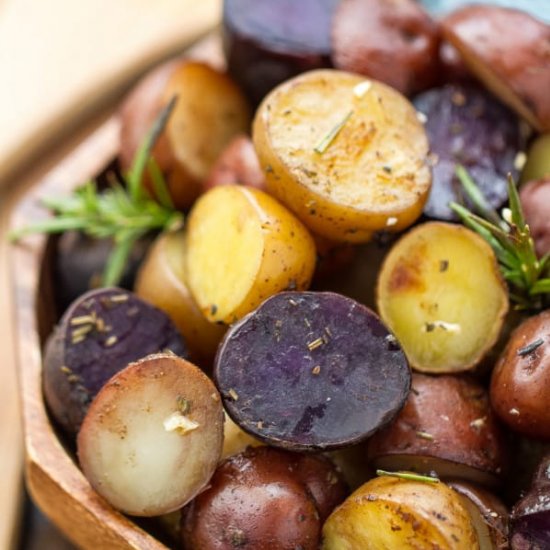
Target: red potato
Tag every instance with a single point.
(238, 163)
(209, 112)
(509, 51)
(263, 499)
(535, 201)
(447, 426)
(153, 436)
(520, 384)
(394, 41)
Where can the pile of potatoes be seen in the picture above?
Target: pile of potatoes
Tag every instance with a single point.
(322, 357)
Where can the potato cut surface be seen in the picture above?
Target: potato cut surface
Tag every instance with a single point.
(441, 293)
(392, 513)
(153, 436)
(347, 154)
(243, 246)
(311, 371)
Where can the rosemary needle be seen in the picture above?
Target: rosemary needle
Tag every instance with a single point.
(124, 212)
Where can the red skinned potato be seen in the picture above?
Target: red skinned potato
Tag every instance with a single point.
(394, 41)
(263, 499)
(447, 426)
(509, 51)
(209, 112)
(153, 436)
(238, 163)
(100, 333)
(520, 383)
(489, 515)
(535, 202)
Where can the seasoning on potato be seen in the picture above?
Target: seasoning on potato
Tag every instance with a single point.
(311, 371)
(520, 382)
(264, 499)
(441, 292)
(348, 155)
(153, 436)
(447, 426)
(100, 333)
(391, 512)
(242, 247)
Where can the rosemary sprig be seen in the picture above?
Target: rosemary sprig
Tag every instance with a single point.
(510, 238)
(124, 212)
(327, 140)
(408, 476)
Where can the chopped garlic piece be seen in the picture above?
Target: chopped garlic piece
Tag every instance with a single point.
(421, 117)
(520, 160)
(180, 423)
(391, 221)
(362, 88)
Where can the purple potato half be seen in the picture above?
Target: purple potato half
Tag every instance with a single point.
(268, 42)
(467, 126)
(98, 336)
(311, 371)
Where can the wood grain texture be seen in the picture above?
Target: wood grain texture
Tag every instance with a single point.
(63, 61)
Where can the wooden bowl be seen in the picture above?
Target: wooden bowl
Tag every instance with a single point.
(53, 478)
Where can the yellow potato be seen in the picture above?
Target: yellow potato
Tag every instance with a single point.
(242, 247)
(235, 439)
(347, 155)
(391, 513)
(161, 282)
(440, 291)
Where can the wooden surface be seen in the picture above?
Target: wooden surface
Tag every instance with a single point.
(64, 64)
(62, 61)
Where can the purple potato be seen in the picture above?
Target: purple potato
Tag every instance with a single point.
(467, 126)
(79, 264)
(98, 336)
(311, 371)
(269, 42)
(531, 515)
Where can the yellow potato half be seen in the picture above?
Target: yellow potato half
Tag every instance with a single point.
(242, 247)
(440, 291)
(388, 513)
(347, 155)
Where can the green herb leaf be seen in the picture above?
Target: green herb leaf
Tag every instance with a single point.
(510, 238)
(409, 476)
(326, 141)
(123, 212)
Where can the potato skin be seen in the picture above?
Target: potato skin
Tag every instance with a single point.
(520, 383)
(535, 201)
(161, 282)
(394, 41)
(387, 512)
(447, 417)
(263, 499)
(509, 50)
(210, 110)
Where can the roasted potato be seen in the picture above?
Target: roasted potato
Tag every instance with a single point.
(388, 512)
(100, 333)
(161, 281)
(537, 165)
(509, 51)
(243, 246)
(393, 41)
(153, 436)
(535, 202)
(209, 112)
(441, 292)
(446, 426)
(347, 155)
(520, 382)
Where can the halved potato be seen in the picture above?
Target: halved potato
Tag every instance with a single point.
(161, 282)
(387, 512)
(441, 292)
(153, 436)
(509, 51)
(242, 247)
(346, 154)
